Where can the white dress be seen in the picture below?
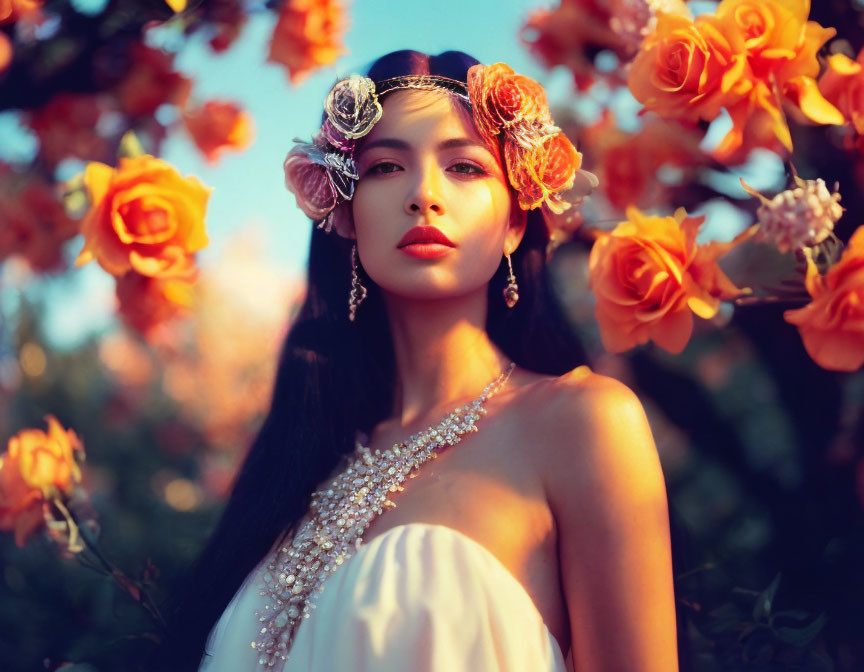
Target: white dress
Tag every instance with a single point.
(419, 597)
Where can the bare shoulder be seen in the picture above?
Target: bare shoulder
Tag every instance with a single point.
(582, 401)
(606, 490)
(582, 385)
(596, 435)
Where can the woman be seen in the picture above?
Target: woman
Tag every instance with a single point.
(543, 536)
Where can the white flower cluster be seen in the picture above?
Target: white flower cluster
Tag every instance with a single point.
(800, 217)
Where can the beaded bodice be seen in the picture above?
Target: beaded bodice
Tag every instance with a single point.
(339, 513)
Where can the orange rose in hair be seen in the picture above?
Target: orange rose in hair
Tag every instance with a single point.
(144, 216)
(217, 126)
(832, 324)
(649, 276)
(36, 466)
(540, 172)
(502, 98)
(688, 69)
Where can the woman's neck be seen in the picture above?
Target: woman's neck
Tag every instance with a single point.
(443, 354)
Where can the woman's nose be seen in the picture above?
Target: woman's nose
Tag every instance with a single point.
(425, 196)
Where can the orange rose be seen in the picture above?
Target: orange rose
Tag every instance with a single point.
(48, 461)
(145, 303)
(770, 29)
(36, 466)
(781, 46)
(308, 34)
(843, 85)
(777, 36)
(688, 69)
(832, 324)
(502, 98)
(539, 173)
(649, 275)
(143, 216)
(751, 57)
(217, 126)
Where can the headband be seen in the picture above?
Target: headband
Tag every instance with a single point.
(541, 161)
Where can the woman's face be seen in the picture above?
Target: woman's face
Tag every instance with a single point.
(424, 163)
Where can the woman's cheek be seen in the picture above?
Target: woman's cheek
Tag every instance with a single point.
(369, 202)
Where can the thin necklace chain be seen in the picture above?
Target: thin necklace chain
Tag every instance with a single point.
(339, 513)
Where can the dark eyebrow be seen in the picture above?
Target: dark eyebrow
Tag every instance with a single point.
(395, 143)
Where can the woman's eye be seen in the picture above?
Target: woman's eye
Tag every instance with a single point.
(470, 166)
(378, 167)
(388, 167)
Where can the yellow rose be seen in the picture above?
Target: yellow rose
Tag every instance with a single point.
(36, 466)
(144, 216)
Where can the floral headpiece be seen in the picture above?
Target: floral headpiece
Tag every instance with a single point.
(541, 161)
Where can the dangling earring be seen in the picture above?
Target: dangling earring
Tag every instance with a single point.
(511, 295)
(358, 291)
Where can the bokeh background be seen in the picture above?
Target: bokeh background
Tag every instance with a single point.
(761, 446)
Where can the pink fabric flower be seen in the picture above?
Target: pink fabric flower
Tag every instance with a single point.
(306, 176)
(319, 179)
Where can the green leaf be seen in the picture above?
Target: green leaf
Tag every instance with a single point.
(75, 196)
(130, 145)
(762, 608)
(801, 636)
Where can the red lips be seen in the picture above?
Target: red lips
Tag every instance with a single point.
(425, 234)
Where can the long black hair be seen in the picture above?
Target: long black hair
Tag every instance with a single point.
(334, 377)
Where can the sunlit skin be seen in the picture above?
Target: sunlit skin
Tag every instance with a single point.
(437, 307)
(425, 163)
